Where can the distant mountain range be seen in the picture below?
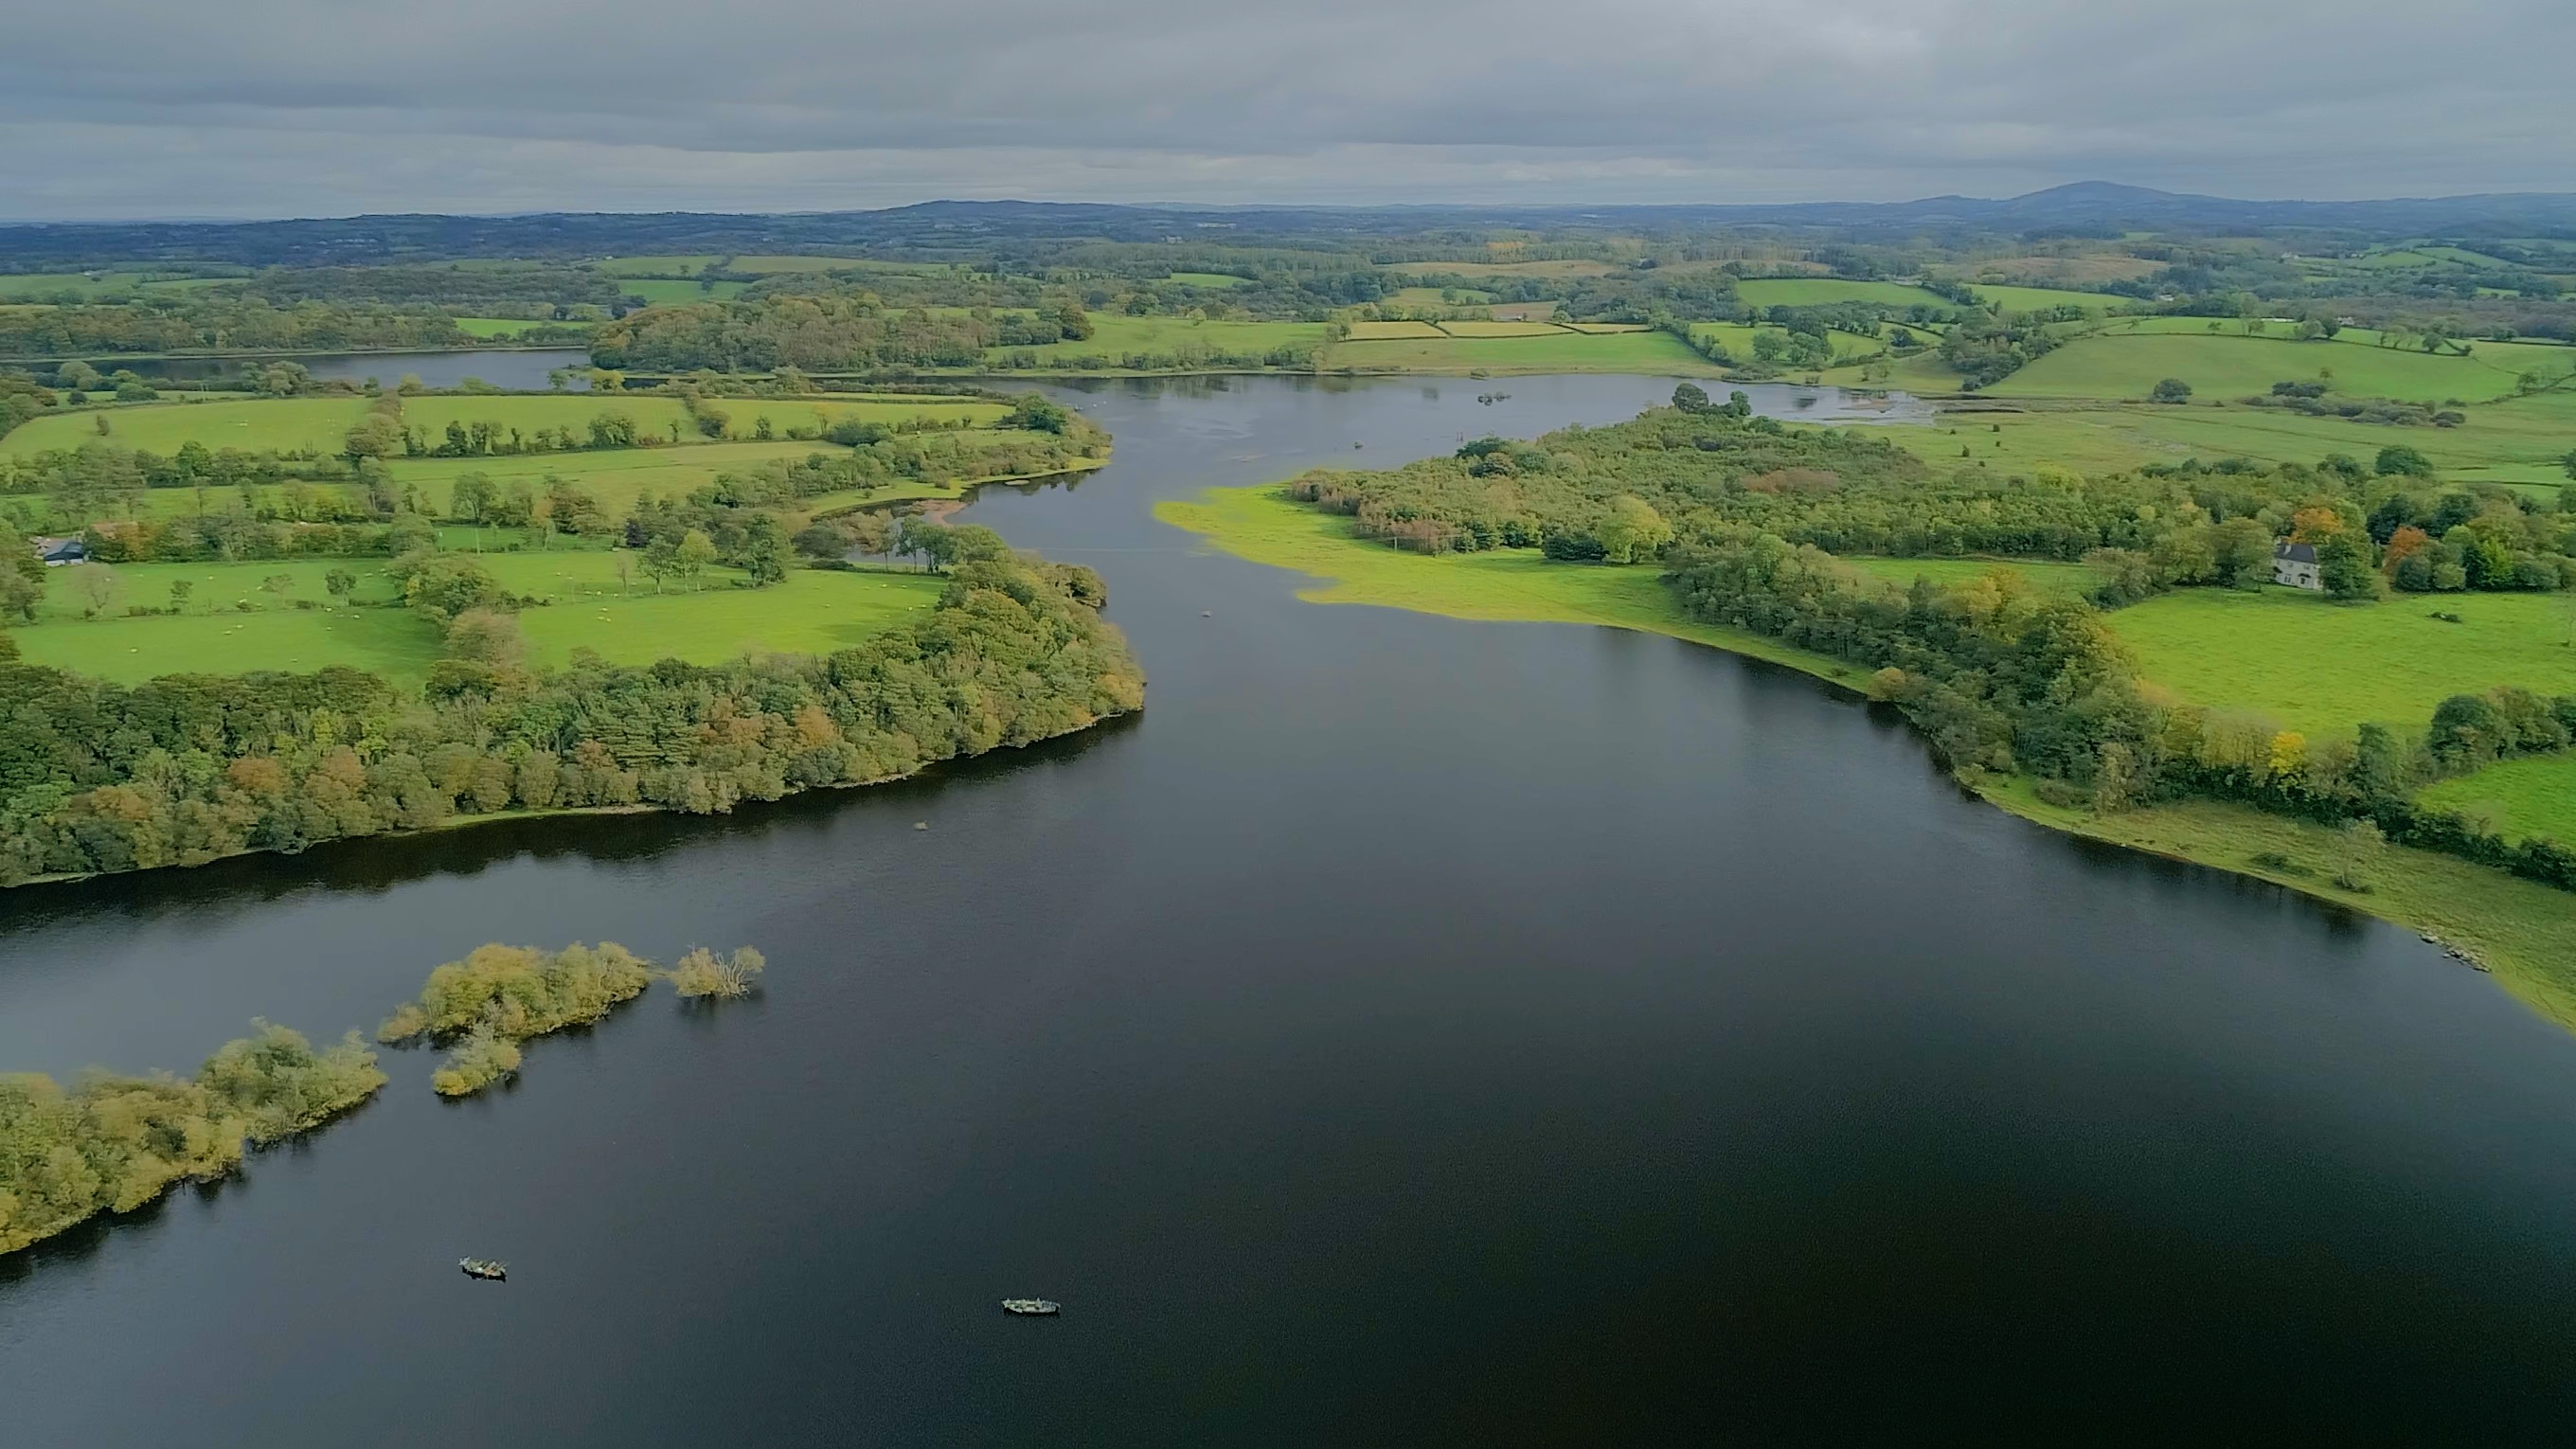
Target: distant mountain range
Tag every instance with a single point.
(980, 226)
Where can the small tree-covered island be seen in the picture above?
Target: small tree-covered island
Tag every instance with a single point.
(2036, 628)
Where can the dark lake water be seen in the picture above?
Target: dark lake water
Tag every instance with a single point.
(1406, 1032)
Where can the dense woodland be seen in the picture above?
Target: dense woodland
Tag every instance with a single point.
(1746, 517)
(100, 777)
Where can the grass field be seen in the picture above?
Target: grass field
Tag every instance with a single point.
(2224, 365)
(2032, 299)
(667, 292)
(1500, 329)
(1655, 353)
(1209, 279)
(1114, 337)
(1572, 267)
(1387, 331)
(1817, 291)
(2521, 441)
(2068, 578)
(2526, 797)
(1260, 525)
(43, 284)
(656, 266)
(2323, 668)
(1438, 297)
(321, 425)
(811, 612)
(1737, 339)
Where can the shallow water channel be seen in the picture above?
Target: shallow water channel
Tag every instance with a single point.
(1405, 1031)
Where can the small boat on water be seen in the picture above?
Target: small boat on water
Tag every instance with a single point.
(1031, 1307)
(484, 1268)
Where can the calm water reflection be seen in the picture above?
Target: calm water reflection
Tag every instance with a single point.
(1407, 1030)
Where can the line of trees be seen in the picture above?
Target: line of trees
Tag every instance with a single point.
(96, 776)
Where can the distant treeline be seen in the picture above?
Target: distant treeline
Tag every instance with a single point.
(97, 776)
(199, 324)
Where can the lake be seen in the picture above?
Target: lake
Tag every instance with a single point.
(1406, 1031)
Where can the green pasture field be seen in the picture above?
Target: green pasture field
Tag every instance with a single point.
(656, 266)
(765, 266)
(2032, 299)
(813, 611)
(1433, 297)
(1260, 525)
(2068, 578)
(1209, 279)
(2519, 442)
(1606, 329)
(1114, 336)
(1737, 339)
(41, 284)
(2521, 798)
(1384, 331)
(1500, 329)
(2221, 365)
(1571, 267)
(1652, 353)
(2323, 668)
(673, 293)
(497, 327)
(1818, 291)
(321, 425)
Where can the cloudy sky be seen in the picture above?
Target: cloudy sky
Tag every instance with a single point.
(177, 108)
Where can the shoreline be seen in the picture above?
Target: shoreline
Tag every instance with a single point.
(496, 817)
(2520, 932)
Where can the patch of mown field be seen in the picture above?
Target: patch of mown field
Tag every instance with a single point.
(2518, 442)
(1208, 279)
(1115, 337)
(321, 425)
(663, 266)
(2322, 668)
(1389, 331)
(2033, 299)
(1556, 350)
(1471, 328)
(589, 607)
(2117, 364)
(495, 327)
(1262, 525)
(2535, 795)
(2067, 578)
(670, 292)
(1737, 339)
(1568, 267)
(1818, 291)
(46, 284)
(1438, 297)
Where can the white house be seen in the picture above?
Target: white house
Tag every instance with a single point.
(2295, 564)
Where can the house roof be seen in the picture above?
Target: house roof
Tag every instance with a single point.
(2295, 552)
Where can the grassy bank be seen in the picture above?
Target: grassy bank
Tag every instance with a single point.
(2525, 933)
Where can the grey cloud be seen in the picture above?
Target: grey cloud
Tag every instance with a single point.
(306, 107)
